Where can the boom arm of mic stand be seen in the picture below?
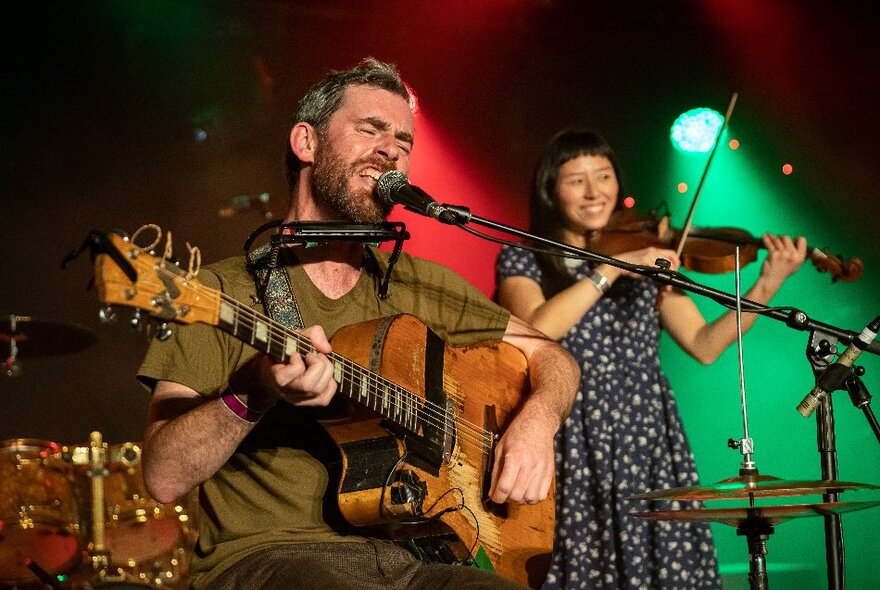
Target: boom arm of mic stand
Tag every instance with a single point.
(795, 318)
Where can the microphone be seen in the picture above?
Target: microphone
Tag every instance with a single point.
(243, 203)
(834, 376)
(393, 188)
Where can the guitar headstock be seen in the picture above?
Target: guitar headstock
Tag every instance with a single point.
(132, 277)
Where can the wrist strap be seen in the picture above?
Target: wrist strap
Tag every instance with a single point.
(600, 281)
(239, 408)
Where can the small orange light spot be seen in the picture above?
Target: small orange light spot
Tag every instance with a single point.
(787, 169)
(734, 144)
(682, 187)
(629, 202)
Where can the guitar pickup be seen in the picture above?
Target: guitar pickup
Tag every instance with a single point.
(409, 489)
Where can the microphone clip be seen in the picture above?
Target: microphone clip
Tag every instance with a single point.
(834, 377)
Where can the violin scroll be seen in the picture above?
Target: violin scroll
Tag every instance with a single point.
(840, 270)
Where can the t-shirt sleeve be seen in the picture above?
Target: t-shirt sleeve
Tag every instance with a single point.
(196, 355)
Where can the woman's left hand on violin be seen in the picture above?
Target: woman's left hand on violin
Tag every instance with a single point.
(784, 256)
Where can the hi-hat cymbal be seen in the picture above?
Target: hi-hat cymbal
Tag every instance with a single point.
(35, 337)
(755, 486)
(769, 514)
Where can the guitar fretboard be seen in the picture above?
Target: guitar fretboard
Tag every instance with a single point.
(356, 382)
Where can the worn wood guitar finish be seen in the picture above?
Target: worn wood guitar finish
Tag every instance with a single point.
(417, 449)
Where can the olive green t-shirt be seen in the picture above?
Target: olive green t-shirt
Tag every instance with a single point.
(274, 487)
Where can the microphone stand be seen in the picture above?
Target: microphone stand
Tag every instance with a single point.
(823, 341)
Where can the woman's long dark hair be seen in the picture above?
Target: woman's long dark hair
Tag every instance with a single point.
(546, 216)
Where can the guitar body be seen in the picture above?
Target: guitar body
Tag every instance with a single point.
(476, 388)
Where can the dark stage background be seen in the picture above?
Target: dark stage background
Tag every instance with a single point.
(117, 114)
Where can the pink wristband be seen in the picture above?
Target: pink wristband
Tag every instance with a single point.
(239, 408)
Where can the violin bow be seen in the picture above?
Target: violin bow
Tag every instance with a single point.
(687, 224)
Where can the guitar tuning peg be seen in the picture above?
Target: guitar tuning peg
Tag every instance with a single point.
(106, 315)
(136, 320)
(163, 333)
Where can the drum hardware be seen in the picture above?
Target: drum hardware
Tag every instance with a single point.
(33, 337)
(42, 575)
(125, 539)
(753, 516)
(753, 486)
(135, 542)
(100, 555)
(95, 457)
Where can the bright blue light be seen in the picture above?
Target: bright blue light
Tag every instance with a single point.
(694, 131)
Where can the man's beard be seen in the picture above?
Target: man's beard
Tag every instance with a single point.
(330, 187)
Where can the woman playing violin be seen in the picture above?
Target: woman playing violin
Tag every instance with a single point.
(624, 435)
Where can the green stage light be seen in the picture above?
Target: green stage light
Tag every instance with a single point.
(694, 131)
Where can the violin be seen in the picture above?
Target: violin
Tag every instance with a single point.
(707, 250)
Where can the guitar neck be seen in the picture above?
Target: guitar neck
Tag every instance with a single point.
(359, 384)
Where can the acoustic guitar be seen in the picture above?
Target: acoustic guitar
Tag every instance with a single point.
(417, 453)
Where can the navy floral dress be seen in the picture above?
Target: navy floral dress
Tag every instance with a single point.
(624, 437)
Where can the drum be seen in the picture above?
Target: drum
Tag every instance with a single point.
(148, 542)
(39, 515)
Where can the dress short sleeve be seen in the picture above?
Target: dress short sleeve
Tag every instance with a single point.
(516, 262)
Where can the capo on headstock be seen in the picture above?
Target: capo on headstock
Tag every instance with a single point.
(99, 243)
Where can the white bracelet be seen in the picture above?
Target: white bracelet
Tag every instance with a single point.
(600, 281)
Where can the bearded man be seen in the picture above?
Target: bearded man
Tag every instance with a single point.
(243, 428)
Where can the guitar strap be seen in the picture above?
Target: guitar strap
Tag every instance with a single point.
(273, 286)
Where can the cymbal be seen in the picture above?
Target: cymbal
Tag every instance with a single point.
(35, 337)
(771, 514)
(755, 486)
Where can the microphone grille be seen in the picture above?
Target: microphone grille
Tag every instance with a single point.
(389, 182)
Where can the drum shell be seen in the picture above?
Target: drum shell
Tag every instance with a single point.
(39, 510)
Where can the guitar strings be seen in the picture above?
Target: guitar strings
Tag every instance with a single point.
(434, 414)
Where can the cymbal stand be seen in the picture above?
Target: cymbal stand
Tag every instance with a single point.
(755, 530)
(745, 445)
